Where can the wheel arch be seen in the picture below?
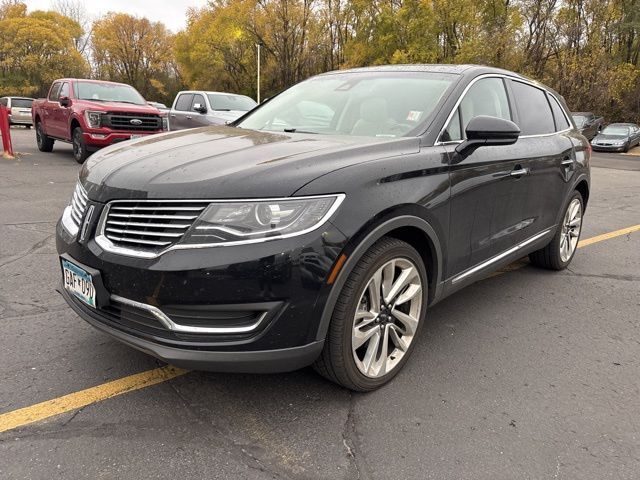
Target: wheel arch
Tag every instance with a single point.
(583, 188)
(412, 229)
(75, 123)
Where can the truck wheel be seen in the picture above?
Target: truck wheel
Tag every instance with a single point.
(80, 152)
(45, 144)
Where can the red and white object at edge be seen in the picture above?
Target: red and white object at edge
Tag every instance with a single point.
(5, 132)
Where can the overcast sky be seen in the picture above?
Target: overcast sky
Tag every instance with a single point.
(170, 12)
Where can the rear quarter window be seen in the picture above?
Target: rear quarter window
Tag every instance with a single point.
(558, 114)
(534, 112)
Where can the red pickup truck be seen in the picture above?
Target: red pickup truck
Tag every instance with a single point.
(92, 114)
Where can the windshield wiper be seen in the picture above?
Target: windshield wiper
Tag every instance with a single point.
(221, 109)
(295, 130)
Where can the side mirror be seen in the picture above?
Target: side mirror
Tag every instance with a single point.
(65, 101)
(484, 131)
(198, 107)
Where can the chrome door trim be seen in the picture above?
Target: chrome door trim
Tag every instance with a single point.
(504, 77)
(500, 256)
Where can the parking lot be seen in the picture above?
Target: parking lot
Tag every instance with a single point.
(526, 374)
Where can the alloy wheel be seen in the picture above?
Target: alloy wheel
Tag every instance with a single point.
(387, 316)
(571, 226)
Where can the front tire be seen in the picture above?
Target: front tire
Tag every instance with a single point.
(377, 317)
(80, 152)
(557, 255)
(45, 144)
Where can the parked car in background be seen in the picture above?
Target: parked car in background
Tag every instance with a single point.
(160, 106)
(617, 137)
(321, 227)
(588, 124)
(19, 110)
(92, 114)
(192, 109)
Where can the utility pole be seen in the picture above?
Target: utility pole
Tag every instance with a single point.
(258, 45)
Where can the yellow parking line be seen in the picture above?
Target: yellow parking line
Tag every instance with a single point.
(608, 236)
(76, 400)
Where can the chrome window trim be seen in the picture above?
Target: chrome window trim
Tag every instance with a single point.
(500, 256)
(176, 327)
(107, 245)
(504, 77)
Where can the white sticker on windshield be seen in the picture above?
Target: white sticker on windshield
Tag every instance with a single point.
(414, 116)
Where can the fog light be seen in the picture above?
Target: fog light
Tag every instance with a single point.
(98, 136)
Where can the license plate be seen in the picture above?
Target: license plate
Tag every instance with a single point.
(79, 283)
(136, 136)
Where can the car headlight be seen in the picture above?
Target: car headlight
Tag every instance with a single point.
(249, 221)
(165, 123)
(94, 119)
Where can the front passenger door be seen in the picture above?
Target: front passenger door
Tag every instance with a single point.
(488, 185)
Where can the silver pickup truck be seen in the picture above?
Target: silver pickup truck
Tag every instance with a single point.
(193, 109)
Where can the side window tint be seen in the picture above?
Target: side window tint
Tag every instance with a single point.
(184, 102)
(53, 94)
(64, 91)
(453, 132)
(486, 97)
(558, 114)
(533, 109)
(197, 99)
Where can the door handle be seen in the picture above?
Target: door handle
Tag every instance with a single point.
(519, 172)
(188, 117)
(567, 162)
(172, 115)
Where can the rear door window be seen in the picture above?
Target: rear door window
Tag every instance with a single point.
(534, 111)
(183, 103)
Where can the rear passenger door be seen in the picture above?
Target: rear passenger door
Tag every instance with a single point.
(546, 150)
(180, 116)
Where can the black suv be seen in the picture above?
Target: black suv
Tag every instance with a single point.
(319, 227)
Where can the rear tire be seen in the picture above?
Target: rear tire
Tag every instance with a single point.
(355, 354)
(80, 152)
(557, 255)
(45, 144)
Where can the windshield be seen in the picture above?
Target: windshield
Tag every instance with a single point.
(230, 102)
(22, 102)
(580, 120)
(375, 104)
(613, 130)
(108, 92)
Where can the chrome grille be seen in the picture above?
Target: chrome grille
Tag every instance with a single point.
(78, 204)
(150, 225)
(122, 121)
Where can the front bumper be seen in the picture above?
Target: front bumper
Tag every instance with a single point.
(99, 138)
(257, 361)
(284, 279)
(608, 148)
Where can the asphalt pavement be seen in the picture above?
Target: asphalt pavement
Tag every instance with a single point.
(527, 374)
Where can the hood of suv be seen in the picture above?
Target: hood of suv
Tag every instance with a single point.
(118, 107)
(226, 162)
